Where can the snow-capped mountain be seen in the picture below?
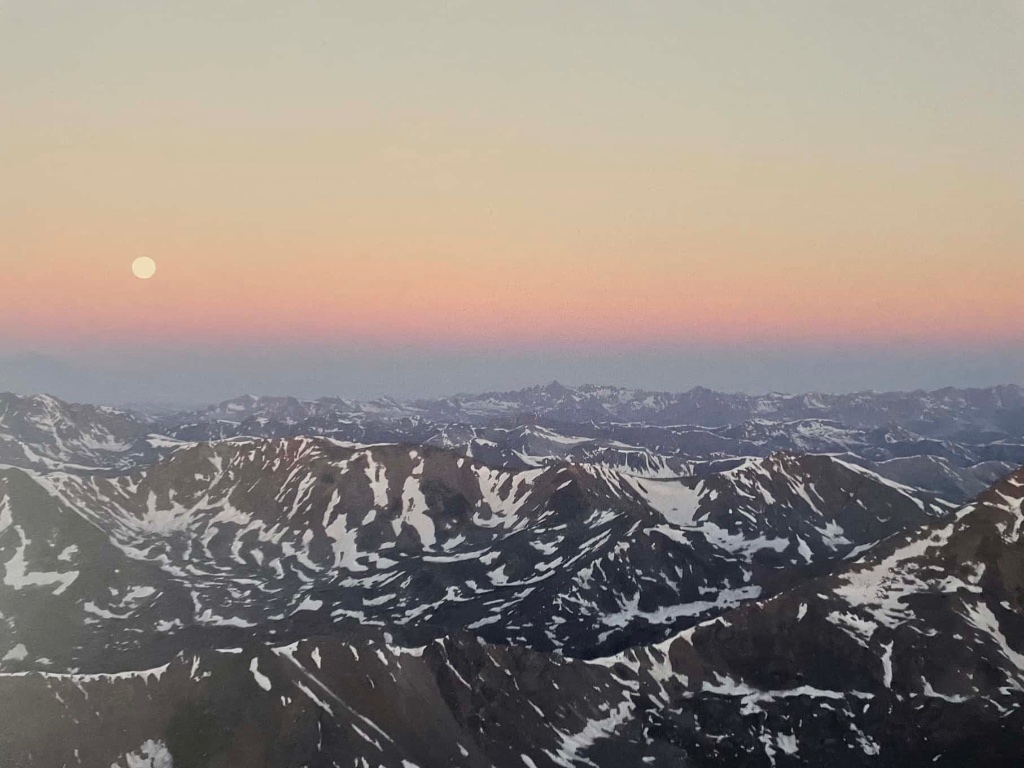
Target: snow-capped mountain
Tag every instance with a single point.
(44, 433)
(909, 656)
(922, 638)
(659, 433)
(275, 582)
(40, 430)
(571, 557)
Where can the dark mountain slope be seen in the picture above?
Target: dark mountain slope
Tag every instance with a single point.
(927, 630)
(912, 656)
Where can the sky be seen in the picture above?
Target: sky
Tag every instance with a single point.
(426, 197)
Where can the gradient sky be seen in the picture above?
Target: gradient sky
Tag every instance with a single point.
(517, 191)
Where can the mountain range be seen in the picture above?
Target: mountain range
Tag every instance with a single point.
(557, 576)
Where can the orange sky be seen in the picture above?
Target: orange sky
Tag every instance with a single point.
(592, 174)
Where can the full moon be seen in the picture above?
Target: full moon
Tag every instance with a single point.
(144, 267)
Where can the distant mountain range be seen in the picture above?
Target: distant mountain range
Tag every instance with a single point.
(549, 577)
(942, 413)
(951, 442)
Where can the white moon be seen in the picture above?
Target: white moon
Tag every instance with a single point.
(144, 267)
